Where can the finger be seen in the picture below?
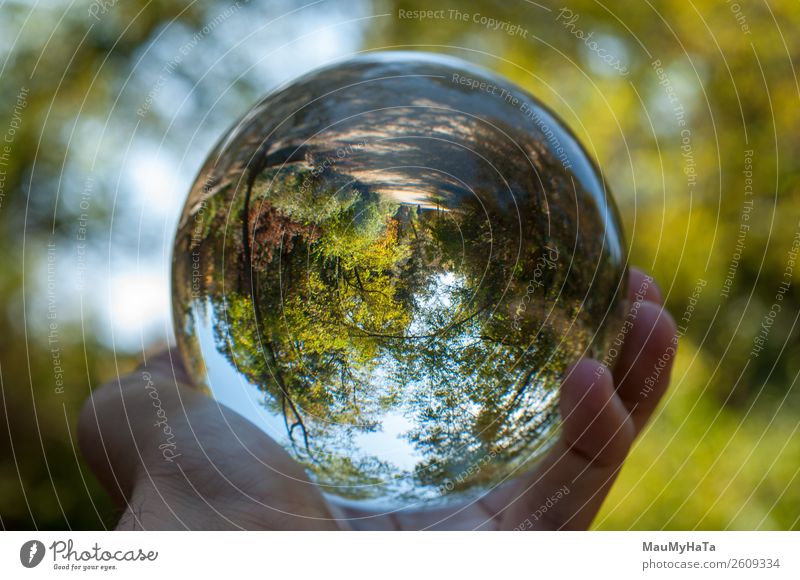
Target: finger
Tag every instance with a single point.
(177, 459)
(110, 434)
(642, 287)
(471, 516)
(644, 366)
(595, 423)
(167, 362)
(568, 486)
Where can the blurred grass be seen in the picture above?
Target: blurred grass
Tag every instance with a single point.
(704, 466)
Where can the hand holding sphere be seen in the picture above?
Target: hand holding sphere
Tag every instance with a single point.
(389, 267)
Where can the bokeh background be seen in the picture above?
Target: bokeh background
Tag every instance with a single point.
(692, 109)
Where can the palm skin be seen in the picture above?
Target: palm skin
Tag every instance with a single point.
(229, 475)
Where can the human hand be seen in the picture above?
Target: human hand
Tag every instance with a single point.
(175, 459)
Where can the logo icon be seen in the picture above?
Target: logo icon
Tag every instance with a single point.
(31, 553)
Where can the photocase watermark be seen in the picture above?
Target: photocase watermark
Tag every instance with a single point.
(53, 337)
(100, 8)
(687, 152)
(168, 447)
(568, 20)
(475, 467)
(630, 317)
(741, 19)
(525, 107)
(548, 260)
(14, 126)
(169, 69)
(683, 322)
(319, 167)
(81, 235)
(67, 557)
(198, 232)
(769, 318)
(94, 558)
(31, 553)
(744, 225)
(649, 384)
(548, 504)
(487, 22)
(199, 227)
(661, 364)
(679, 112)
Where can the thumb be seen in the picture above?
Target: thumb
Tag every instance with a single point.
(174, 458)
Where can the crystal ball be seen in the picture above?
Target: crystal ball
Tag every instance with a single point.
(388, 265)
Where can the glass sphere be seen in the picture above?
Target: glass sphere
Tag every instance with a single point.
(388, 265)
